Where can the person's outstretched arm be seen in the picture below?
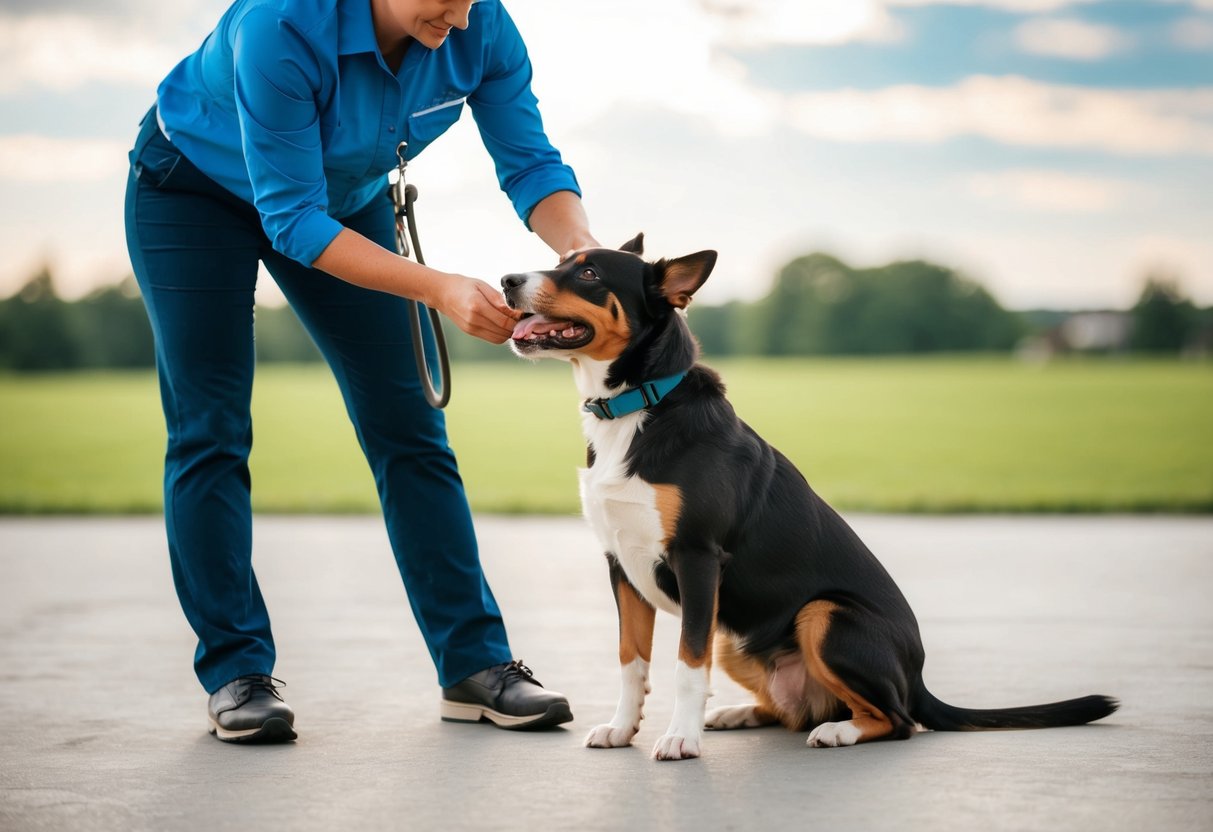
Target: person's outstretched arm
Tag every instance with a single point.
(473, 305)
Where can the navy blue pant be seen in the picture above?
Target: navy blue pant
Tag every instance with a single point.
(195, 249)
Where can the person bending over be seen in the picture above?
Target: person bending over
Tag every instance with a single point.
(271, 144)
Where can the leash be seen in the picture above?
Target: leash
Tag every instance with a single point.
(403, 197)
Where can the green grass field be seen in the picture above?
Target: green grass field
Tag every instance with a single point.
(948, 434)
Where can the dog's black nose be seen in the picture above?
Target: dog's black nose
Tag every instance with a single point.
(512, 281)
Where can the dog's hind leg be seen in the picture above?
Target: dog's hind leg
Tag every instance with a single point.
(751, 673)
(635, 652)
(850, 658)
(729, 717)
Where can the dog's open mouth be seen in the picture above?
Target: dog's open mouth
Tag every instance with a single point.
(538, 331)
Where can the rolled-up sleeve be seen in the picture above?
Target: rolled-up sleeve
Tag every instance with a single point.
(277, 76)
(507, 114)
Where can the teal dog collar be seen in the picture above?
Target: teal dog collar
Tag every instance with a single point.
(633, 400)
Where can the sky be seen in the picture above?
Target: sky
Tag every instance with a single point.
(1056, 151)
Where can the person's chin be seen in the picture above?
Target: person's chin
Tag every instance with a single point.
(434, 37)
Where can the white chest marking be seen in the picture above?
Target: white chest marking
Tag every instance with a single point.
(622, 510)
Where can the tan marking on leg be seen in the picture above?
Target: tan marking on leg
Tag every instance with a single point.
(812, 625)
(749, 672)
(635, 625)
(669, 508)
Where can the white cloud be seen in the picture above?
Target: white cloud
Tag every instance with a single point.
(1193, 33)
(1069, 38)
(1026, 6)
(766, 22)
(637, 53)
(1015, 111)
(1048, 190)
(65, 51)
(27, 157)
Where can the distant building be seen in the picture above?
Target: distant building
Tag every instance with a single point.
(1097, 331)
(1080, 332)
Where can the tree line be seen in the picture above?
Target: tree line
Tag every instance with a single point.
(39, 331)
(818, 305)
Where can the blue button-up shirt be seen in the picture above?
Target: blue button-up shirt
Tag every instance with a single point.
(289, 104)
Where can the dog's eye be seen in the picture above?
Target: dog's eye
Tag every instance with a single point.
(588, 274)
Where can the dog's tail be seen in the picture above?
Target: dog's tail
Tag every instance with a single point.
(940, 716)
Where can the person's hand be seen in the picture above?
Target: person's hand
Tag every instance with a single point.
(584, 244)
(476, 308)
(573, 252)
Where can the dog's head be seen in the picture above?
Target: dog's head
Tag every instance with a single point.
(601, 302)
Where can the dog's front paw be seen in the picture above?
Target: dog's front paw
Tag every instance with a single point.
(674, 747)
(608, 736)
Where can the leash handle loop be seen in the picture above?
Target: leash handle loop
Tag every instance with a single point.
(403, 198)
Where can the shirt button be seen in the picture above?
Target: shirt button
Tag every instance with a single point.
(392, 129)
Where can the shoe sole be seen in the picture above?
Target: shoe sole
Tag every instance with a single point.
(272, 730)
(556, 714)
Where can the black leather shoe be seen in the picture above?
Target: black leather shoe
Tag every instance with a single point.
(250, 709)
(507, 695)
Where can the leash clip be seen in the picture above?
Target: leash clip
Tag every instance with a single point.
(599, 407)
(401, 201)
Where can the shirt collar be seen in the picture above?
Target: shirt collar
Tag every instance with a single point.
(355, 29)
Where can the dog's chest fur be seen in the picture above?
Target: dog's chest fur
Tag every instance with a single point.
(621, 509)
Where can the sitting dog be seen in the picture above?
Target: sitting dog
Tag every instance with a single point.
(702, 518)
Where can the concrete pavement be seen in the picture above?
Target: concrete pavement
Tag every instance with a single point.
(102, 723)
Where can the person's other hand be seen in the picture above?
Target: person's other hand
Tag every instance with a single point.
(584, 244)
(477, 308)
(573, 252)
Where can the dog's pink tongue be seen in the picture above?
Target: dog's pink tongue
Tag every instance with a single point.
(537, 324)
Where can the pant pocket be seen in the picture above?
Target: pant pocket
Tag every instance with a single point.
(154, 158)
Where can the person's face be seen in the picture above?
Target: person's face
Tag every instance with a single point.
(430, 21)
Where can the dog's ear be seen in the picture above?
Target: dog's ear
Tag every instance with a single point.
(634, 245)
(682, 277)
